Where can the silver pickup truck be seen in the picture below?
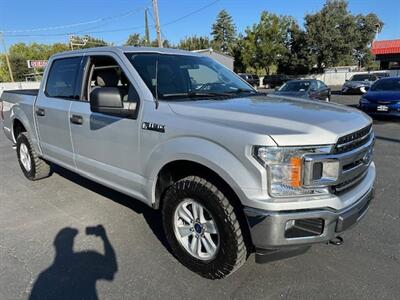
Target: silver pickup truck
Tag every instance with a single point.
(233, 171)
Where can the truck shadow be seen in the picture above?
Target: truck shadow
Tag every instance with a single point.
(152, 216)
(73, 275)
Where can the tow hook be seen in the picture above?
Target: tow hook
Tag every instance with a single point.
(337, 241)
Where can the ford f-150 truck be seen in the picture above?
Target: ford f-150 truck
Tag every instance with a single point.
(233, 171)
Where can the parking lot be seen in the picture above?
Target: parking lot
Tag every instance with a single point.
(44, 243)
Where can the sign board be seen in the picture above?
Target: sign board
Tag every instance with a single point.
(37, 64)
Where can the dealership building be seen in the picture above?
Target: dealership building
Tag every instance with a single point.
(387, 52)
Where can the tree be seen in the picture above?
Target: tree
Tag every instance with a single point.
(264, 43)
(224, 32)
(297, 58)
(336, 37)
(88, 42)
(135, 40)
(19, 53)
(194, 43)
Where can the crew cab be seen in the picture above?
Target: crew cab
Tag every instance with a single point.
(232, 170)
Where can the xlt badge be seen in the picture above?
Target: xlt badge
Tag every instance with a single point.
(153, 127)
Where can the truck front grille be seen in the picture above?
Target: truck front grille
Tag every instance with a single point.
(353, 140)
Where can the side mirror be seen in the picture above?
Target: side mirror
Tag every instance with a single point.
(108, 100)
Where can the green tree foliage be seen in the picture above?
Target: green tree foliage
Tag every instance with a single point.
(194, 43)
(224, 32)
(135, 40)
(88, 42)
(297, 58)
(336, 37)
(19, 53)
(265, 42)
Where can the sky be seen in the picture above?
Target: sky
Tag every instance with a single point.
(53, 20)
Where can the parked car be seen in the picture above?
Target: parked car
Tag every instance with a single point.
(359, 83)
(232, 170)
(383, 98)
(273, 81)
(251, 79)
(306, 88)
(381, 74)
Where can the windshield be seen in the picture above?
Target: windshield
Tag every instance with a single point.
(387, 85)
(172, 77)
(362, 77)
(295, 86)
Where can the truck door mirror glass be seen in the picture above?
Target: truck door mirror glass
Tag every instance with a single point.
(108, 100)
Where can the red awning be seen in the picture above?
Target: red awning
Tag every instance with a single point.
(386, 47)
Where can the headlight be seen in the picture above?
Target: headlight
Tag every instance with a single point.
(363, 101)
(285, 166)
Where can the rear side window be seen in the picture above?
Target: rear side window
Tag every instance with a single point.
(62, 77)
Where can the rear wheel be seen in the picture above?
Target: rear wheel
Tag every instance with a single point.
(33, 167)
(202, 229)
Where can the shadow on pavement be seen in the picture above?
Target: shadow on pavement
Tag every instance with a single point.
(152, 216)
(73, 275)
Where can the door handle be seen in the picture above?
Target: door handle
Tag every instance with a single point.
(76, 119)
(40, 112)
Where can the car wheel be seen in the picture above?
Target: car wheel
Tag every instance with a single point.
(202, 229)
(33, 167)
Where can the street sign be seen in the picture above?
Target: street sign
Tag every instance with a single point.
(36, 64)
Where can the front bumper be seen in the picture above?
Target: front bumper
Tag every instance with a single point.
(269, 228)
(354, 90)
(381, 109)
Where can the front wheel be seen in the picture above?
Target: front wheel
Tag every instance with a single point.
(202, 229)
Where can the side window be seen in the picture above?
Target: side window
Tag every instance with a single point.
(314, 86)
(106, 72)
(62, 77)
(321, 85)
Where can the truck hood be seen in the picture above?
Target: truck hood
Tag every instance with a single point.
(289, 121)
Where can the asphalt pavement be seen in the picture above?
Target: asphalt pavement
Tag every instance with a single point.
(45, 245)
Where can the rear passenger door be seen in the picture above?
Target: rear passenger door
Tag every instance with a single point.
(52, 110)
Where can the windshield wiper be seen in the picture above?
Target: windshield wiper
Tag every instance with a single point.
(240, 91)
(194, 95)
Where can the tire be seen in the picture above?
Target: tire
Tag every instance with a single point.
(33, 167)
(231, 251)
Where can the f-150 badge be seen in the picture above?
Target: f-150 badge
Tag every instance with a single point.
(153, 127)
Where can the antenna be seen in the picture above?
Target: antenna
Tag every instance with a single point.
(157, 83)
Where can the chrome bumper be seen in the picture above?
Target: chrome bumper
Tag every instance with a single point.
(268, 229)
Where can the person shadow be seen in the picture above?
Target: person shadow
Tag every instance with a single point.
(73, 275)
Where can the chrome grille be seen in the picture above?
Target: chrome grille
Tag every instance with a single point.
(353, 140)
(352, 155)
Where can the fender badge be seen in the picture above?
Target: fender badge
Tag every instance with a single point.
(153, 127)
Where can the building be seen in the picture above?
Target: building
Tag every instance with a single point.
(387, 52)
(222, 58)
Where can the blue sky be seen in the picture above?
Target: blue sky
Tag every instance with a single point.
(118, 15)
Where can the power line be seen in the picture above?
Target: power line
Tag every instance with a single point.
(116, 30)
(119, 16)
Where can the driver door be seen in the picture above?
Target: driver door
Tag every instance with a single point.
(106, 147)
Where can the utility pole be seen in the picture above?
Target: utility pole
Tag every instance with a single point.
(147, 32)
(158, 30)
(7, 59)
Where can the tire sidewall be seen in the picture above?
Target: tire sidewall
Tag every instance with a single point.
(23, 139)
(227, 252)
